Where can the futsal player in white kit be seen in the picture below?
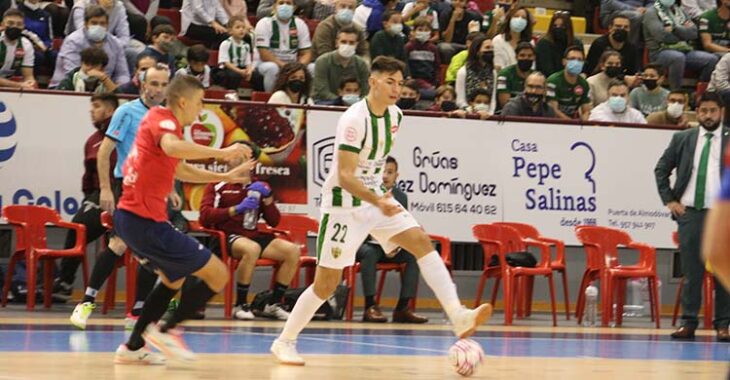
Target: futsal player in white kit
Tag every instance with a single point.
(355, 205)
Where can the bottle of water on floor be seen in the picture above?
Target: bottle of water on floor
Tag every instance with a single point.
(591, 310)
(251, 217)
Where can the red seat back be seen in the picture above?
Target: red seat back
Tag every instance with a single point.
(605, 242)
(525, 230)
(35, 218)
(260, 96)
(213, 93)
(299, 227)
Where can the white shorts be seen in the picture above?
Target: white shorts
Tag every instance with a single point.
(342, 234)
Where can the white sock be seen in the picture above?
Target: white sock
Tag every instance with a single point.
(303, 311)
(91, 292)
(438, 279)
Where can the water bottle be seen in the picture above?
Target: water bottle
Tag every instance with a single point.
(251, 217)
(591, 311)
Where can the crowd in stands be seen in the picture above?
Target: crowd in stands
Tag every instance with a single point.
(460, 59)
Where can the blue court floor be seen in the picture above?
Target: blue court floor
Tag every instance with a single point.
(363, 341)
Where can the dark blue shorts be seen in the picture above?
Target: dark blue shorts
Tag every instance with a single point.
(166, 249)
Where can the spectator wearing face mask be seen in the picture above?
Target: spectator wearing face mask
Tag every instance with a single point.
(567, 91)
(95, 34)
(293, 85)
(390, 40)
(459, 59)
(455, 26)
(445, 100)
(633, 10)
(650, 97)
(325, 35)
(282, 39)
(349, 92)
(423, 56)
(133, 87)
(118, 25)
(551, 46)
(616, 39)
(162, 40)
(610, 68)
(478, 71)
(18, 56)
(517, 28)
(674, 114)
(532, 101)
(90, 77)
(330, 68)
(511, 79)
(410, 96)
(616, 108)
(479, 104)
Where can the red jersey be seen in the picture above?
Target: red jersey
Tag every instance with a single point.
(90, 180)
(218, 197)
(149, 173)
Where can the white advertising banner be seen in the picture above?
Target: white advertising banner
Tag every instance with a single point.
(461, 172)
(42, 140)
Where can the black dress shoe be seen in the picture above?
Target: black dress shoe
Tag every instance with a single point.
(684, 333)
(407, 316)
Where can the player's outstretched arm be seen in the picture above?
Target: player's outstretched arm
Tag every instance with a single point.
(347, 164)
(185, 150)
(239, 174)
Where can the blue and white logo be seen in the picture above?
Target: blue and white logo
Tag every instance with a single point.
(7, 134)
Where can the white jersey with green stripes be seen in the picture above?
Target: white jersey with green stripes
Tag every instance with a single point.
(372, 138)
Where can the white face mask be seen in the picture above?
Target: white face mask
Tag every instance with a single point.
(675, 110)
(423, 36)
(481, 107)
(345, 50)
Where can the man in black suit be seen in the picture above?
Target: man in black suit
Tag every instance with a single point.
(696, 154)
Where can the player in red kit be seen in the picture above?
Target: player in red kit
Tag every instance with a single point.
(141, 221)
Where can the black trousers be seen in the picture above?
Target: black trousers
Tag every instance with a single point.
(206, 35)
(90, 216)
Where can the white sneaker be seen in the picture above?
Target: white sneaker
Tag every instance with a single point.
(143, 356)
(286, 352)
(275, 311)
(170, 343)
(243, 313)
(467, 321)
(81, 314)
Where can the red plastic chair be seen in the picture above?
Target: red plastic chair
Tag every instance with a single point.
(259, 96)
(30, 224)
(597, 27)
(350, 275)
(213, 58)
(299, 228)
(708, 291)
(213, 93)
(558, 265)
(232, 263)
(601, 245)
(501, 240)
(130, 275)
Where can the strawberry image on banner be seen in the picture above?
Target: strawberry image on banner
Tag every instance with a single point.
(277, 131)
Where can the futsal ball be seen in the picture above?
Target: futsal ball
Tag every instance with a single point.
(466, 356)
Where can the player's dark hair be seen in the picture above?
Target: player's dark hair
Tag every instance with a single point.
(385, 64)
(94, 56)
(107, 98)
(710, 96)
(391, 160)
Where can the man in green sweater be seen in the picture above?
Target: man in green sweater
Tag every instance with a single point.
(330, 68)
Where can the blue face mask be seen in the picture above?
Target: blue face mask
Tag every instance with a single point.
(517, 24)
(96, 33)
(344, 16)
(284, 11)
(574, 66)
(667, 3)
(350, 99)
(617, 104)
